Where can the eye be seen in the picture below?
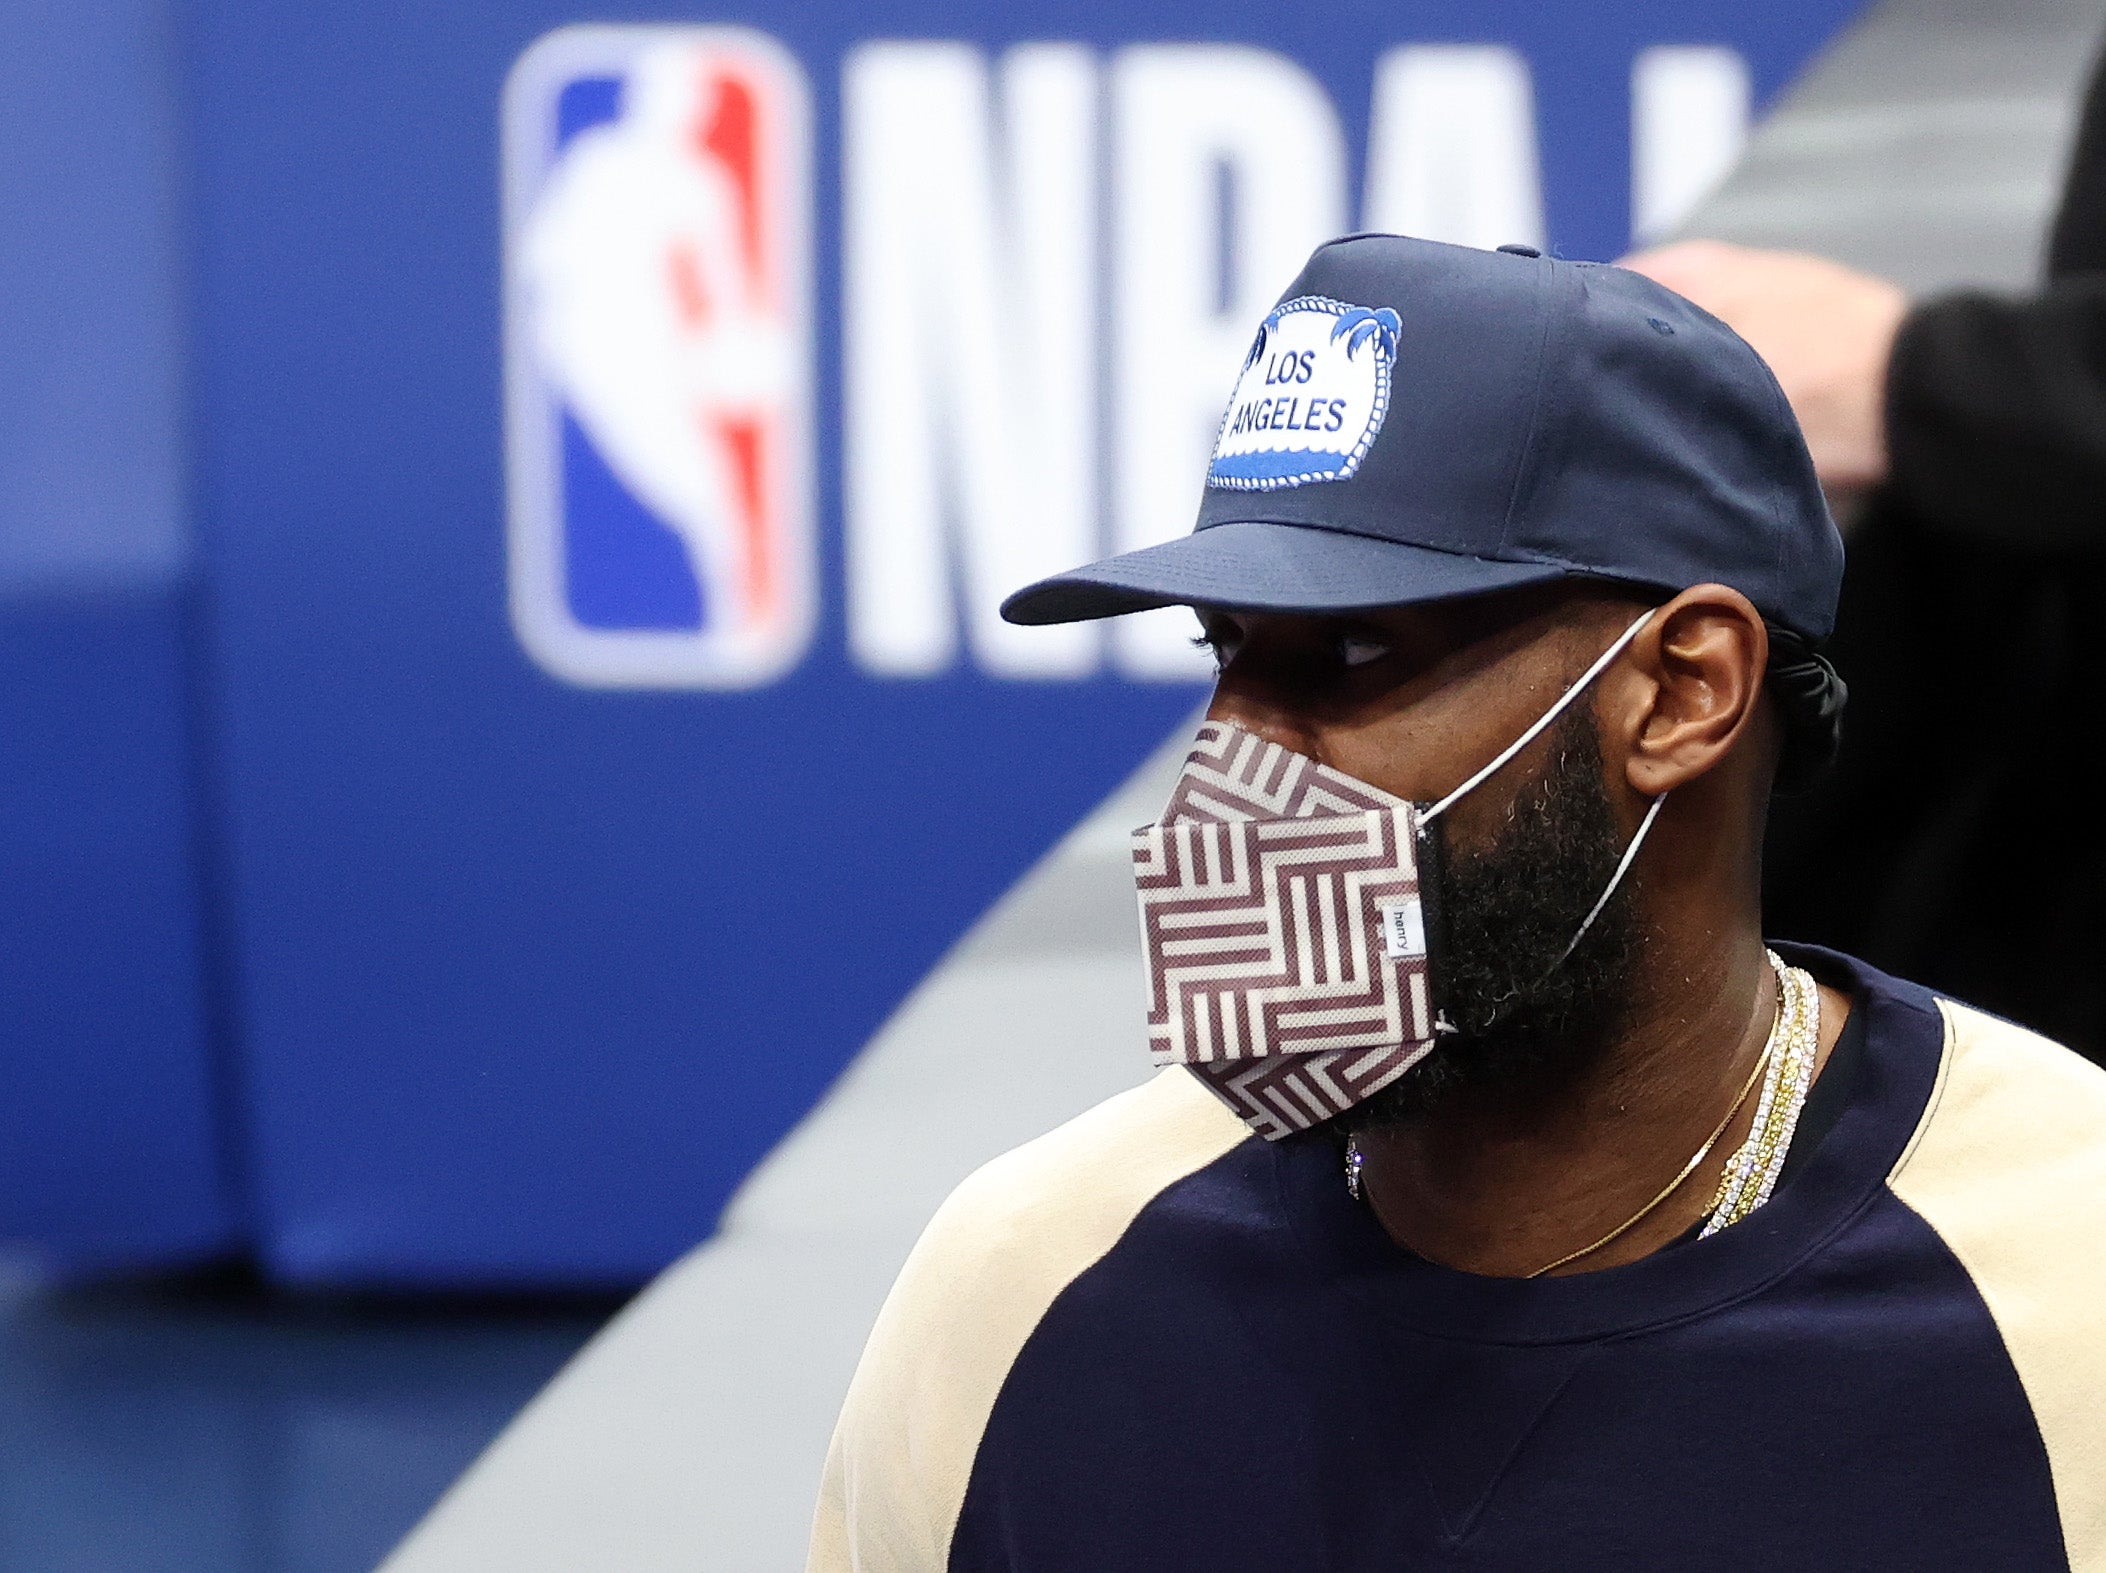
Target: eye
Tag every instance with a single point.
(1223, 638)
(1357, 651)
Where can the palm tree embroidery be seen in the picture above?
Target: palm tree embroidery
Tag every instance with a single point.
(1360, 324)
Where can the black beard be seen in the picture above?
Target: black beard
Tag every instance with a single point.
(1528, 1023)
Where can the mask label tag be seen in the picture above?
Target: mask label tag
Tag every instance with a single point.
(1275, 894)
(1403, 928)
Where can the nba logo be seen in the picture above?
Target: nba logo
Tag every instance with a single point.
(657, 356)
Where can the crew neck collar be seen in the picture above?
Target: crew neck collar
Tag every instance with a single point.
(1904, 1040)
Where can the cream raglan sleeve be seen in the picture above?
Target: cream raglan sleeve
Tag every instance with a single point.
(995, 1256)
(2009, 1167)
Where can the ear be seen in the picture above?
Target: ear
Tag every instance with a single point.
(1692, 688)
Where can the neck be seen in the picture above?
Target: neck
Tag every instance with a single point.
(1500, 1184)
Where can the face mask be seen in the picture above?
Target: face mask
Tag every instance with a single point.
(1291, 917)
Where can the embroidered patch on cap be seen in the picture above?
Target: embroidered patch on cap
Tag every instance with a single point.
(1311, 398)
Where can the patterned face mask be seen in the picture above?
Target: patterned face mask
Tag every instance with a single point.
(1291, 921)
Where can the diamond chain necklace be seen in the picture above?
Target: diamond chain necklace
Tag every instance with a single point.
(1751, 1174)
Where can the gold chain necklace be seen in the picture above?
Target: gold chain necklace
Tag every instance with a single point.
(1787, 1056)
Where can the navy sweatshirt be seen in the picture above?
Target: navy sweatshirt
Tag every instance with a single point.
(1151, 1341)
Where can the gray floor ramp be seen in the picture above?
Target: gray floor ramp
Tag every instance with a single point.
(689, 1434)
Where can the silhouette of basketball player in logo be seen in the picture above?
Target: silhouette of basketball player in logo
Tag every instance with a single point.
(656, 314)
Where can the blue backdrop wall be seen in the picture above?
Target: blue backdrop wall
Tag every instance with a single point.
(530, 959)
(111, 1136)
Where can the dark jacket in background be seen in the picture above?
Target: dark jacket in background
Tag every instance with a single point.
(1961, 840)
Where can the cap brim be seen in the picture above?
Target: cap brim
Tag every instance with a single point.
(1265, 567)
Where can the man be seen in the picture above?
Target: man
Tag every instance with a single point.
(1631, 1244)
(1976, 427)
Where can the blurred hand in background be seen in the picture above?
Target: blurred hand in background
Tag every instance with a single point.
(1826, 330)
(1963, 439)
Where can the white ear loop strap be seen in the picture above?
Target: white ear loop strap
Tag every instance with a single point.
(1529, 736)
(1630, 856)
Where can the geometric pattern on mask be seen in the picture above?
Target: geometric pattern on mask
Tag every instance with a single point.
(1261, 893)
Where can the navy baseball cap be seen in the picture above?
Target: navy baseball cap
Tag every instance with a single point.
(1418, 421)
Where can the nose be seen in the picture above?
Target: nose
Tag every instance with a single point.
(1245, 700)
